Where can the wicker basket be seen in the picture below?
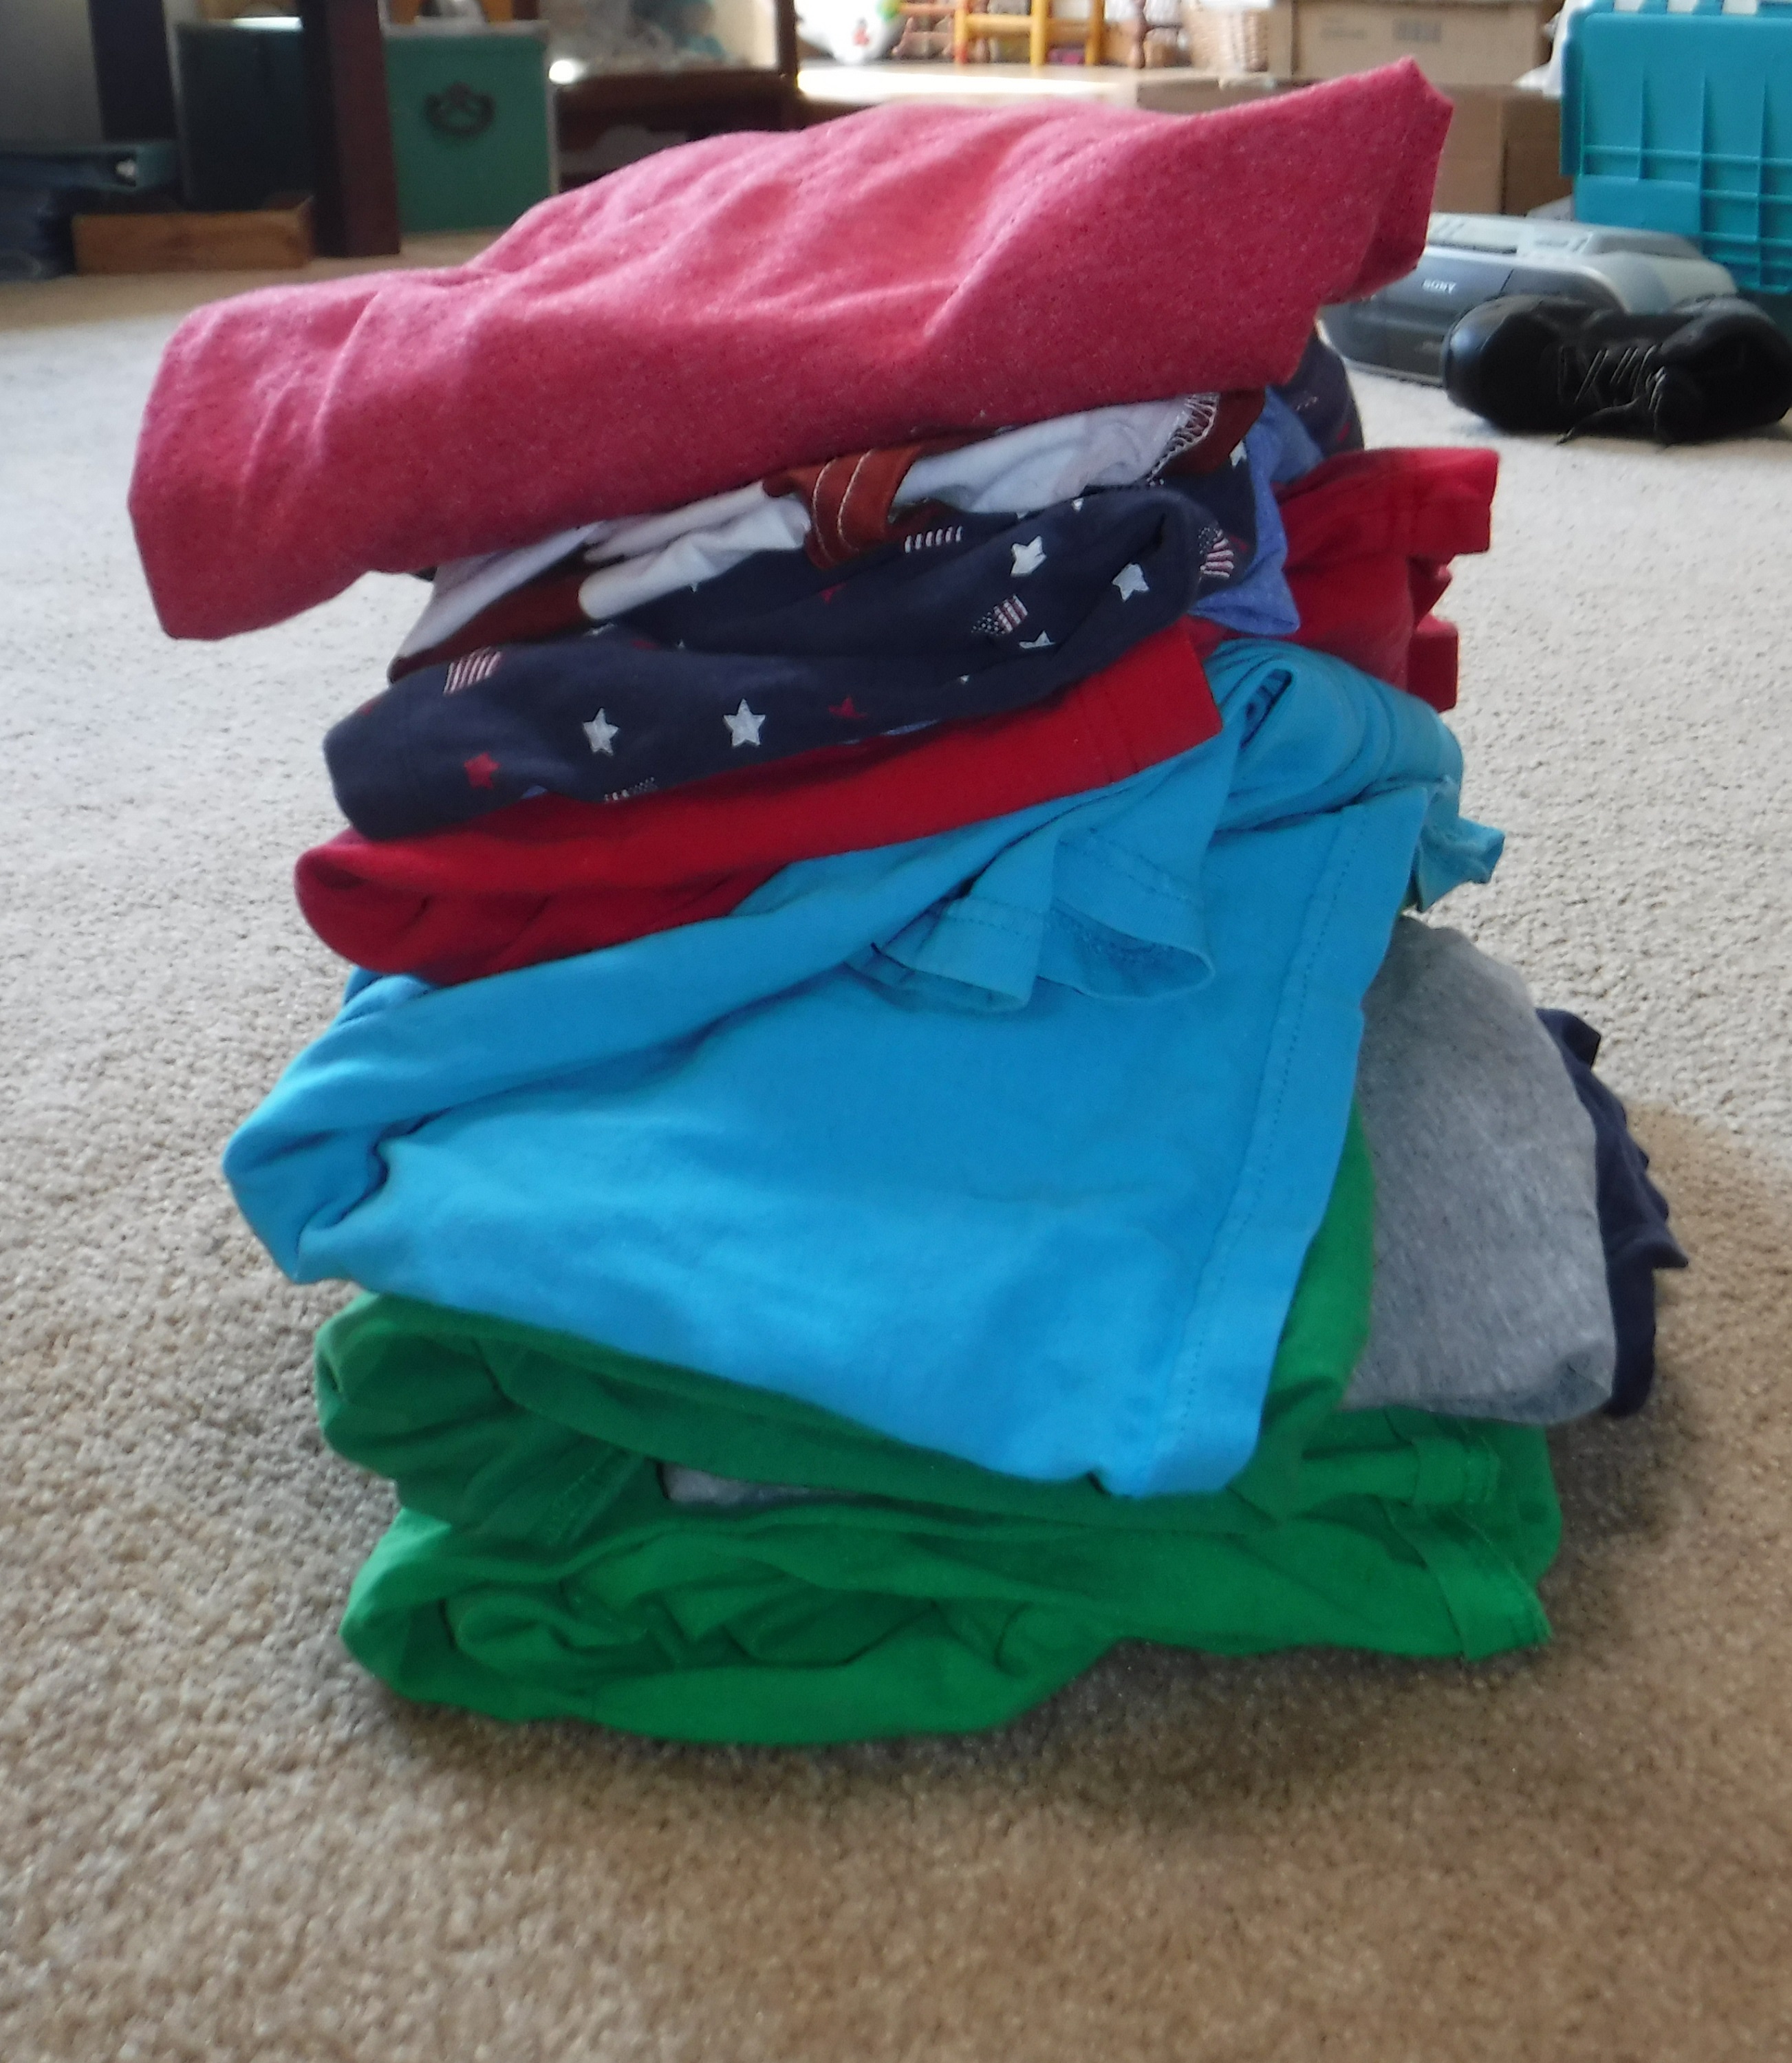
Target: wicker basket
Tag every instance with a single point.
(1226, 39)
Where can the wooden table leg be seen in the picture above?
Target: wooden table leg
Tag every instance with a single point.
(786, 18)
(131, 69)
(350, 128)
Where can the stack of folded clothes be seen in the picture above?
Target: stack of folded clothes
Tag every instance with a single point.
(896, 1128)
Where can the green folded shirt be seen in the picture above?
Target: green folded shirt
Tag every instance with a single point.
(538, 1568)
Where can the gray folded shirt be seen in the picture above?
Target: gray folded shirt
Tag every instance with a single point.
(1490, 1298)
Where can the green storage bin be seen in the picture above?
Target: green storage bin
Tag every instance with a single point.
(472, 125)
(242, 133)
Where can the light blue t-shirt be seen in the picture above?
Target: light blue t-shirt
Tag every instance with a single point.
(1008, 1143)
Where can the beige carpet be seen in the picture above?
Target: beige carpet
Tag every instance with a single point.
(221, 1840)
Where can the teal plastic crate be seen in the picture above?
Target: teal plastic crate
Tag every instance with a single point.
(1681, 119)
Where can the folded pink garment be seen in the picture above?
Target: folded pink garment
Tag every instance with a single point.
(762, 300)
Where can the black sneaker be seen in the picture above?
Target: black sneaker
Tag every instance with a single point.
(1533, 362)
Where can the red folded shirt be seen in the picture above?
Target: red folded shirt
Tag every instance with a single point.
(550, 878)
(758, 301)
(1370, 536)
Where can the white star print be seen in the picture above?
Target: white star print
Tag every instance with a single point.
(1042, 643)
(1029, 558)
(1078, 503)
(600, 731)
(743, 725)
(1131, 580)
(1239, 455)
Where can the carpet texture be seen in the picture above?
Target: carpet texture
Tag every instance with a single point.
(218, 1839)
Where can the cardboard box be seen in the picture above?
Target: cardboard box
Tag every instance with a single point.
(1464, 42)
(234, 240)
(1173, 92)
(1503, 154)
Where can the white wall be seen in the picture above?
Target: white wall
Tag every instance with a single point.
(748, 27)
(47, 94)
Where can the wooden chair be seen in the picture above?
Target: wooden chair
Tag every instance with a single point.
(1042, 32)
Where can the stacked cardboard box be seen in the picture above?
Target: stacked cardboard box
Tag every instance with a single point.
(1458, 43)
(1502, 155)
(1463, 43)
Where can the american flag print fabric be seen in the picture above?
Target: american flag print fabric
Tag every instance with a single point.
(1006, 616)
(1219, 556)
(469, 670)
(777, 656)
(934, 540)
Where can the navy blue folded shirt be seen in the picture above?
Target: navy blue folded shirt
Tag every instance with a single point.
(1322, 399)
(1632, 1215)
(777, 657)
